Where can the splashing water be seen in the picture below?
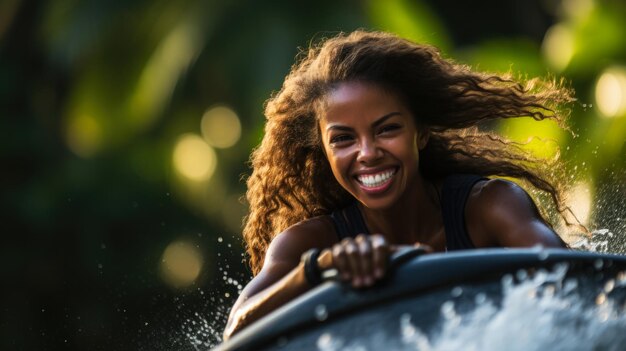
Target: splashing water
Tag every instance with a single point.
(609, 215)
(542, 312)
(202, 329)
(597, 242)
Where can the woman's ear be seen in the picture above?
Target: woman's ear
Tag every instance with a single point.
(423, 135)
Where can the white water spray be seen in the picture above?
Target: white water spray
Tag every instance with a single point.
(541, 312)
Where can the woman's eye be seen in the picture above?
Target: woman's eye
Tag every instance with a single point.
(340, 138)
(388, 128)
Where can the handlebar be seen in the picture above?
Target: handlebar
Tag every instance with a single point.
(396, 259)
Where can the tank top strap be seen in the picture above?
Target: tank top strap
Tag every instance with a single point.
(349, 222)
(356, 219)
(454, 194)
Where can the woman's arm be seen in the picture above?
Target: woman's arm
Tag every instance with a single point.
(361, 261)
(500, 213)
(256, 302)
(280, 280)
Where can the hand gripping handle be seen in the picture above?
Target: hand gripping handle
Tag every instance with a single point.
(396, 259)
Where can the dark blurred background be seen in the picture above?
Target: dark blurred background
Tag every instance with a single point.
(126, 126)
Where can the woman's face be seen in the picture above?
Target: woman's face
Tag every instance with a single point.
(371, 142)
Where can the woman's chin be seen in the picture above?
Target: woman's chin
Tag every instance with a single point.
(377, 204)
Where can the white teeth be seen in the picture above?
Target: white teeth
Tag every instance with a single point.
(372, 181)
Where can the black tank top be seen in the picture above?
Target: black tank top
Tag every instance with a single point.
(456, 188)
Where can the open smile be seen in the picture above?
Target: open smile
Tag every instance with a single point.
(376, 182)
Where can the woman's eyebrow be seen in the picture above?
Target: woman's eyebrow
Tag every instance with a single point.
(376, 123)
(338, 127)
(382, 119)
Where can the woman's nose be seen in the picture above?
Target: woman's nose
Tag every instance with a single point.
(368, 152)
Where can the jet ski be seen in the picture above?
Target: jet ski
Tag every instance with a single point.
(426, 297)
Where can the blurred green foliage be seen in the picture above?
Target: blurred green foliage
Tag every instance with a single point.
(96, 94)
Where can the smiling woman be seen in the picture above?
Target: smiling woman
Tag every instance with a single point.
(373, 144)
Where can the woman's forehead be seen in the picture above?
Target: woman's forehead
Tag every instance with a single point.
(358, 99)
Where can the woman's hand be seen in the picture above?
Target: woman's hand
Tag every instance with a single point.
(361, 261)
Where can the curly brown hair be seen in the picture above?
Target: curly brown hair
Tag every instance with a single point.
(291, 179)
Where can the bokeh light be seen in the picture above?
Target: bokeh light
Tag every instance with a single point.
(558, 46)
(83, 135)
(577, 8)
(610, 92)
(221, 127)
(193, 158)
(181, 264)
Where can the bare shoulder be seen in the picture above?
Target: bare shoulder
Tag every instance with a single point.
(501, 213)
(497, 194)
(316, 232)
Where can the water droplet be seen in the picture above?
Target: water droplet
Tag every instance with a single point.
(326, 342)
(507, 280)
(598, 264)
(447, 310)
(600, 299)
(570, 285)
(608, 287)
(408, 330)
(480, 298)
(219, 239)
(321, 314)
(456, 291)
(521, 274)
(621, 278)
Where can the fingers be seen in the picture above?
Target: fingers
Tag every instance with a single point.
(361, 260)
(380, 252)
(340, 261)
(364, 262)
